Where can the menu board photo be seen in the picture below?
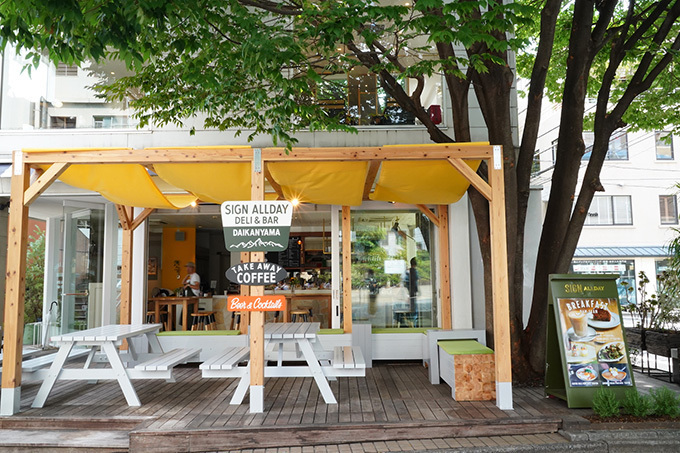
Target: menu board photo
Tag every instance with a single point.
(593, 343)
(585, 339)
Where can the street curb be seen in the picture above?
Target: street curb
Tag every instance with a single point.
(590, 446)
(623, 441)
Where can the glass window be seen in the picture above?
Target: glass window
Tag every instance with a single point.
(625, 268)
(393, 269)
(358, 99)
(618, 146)
(610, 210)
(109, 121)
(62, 122)
(536, 164)
(553, 149)
(668, 207)
(664, 145)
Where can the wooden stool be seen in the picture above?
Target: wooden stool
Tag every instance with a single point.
(151, 318)
(235, 320)
(304, 314)
(203, 320)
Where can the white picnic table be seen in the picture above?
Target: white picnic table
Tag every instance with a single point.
(302, 336)
(155, 363)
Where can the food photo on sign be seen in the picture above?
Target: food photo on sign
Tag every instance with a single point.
(593, 342)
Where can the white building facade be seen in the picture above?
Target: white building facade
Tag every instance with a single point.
(630, 224)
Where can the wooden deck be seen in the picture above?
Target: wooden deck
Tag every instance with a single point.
(393, 401)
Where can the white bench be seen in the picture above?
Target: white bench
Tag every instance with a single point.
(226, 360)
(35, 369)
(348, 357)
(161, 366)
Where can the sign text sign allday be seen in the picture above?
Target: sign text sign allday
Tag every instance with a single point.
(256, 226)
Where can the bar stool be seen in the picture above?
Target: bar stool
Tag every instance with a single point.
(235, 320)
(203, 320)
(304, 313)
(151, 318)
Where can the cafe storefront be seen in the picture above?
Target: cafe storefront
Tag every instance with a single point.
(369, 219)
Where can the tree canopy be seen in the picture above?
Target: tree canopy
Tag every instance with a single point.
(254, 65)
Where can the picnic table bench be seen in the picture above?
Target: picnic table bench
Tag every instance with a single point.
(343, 361)
(35, 369)
(124, 366)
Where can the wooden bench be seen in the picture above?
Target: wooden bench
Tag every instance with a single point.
(431, 350)
(35, 369)
(161, 366)
(469, 368)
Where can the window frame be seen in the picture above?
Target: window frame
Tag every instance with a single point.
(612, 211)
(674, 205)
(657, 136)
(589, 137)
(65, 70)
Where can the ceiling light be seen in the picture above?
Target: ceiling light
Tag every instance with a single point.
(295, 202)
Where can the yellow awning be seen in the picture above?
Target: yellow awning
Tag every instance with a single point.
(421, 182)
(340, 183)
(125, 184)
(213, 183)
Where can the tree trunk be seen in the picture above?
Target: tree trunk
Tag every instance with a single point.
(569, 152)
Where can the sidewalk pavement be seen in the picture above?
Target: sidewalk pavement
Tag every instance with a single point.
(575, 437)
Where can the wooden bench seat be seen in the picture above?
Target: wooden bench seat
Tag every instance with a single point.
(469, 368)
(161, 366)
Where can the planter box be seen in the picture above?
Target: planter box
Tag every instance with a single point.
(661, 342)
(635, 338)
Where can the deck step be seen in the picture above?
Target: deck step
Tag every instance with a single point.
(261, 437)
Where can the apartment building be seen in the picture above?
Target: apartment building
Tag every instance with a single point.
(630, 224)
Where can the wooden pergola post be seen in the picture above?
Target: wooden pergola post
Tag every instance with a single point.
(15, 287)
(500, 282)
(444, 265)
(257, 317)
(346, 270)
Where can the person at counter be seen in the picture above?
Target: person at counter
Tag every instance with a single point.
(192, 282)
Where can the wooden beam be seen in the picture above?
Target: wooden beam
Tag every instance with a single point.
(472, 176)
(346, 269)
(380, 153)
(373, 168)
(275, 185)
(240, 154)
(126, 272)
(500, 282)
(444, 265)
(141, 218)
(430, 215)
(15, 288)
(43, 182)
(123, 216)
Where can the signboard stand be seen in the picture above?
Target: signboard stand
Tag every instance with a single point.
(252, 228)
(585, 345)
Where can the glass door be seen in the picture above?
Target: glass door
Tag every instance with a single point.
(393, 268)
(82, 268)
